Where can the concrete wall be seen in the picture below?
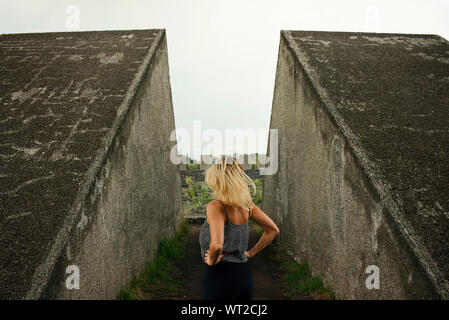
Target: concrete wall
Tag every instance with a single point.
(135, 199)
(328, 211)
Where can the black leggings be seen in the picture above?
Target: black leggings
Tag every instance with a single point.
(228, 281)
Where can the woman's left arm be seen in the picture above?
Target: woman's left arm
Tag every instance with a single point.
(216, 223)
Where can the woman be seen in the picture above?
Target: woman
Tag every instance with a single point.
(224, 234)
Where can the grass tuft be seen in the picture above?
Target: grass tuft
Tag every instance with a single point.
(299, 279)
(158, 272)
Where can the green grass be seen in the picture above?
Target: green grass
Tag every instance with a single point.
(192, 166)
(258, 230)
(257, 198)
(299, 279)
(199, 192)
(158, 273)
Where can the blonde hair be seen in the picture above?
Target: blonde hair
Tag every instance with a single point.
(229, 183)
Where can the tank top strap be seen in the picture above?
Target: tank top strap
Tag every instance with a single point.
(226, 212)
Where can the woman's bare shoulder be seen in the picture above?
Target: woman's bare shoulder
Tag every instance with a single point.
(214, 209)
(214, 202)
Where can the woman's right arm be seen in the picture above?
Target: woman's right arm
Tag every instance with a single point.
(269, 227)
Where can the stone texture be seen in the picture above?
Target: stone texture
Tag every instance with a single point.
(363, 146)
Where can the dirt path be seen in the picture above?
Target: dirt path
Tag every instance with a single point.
(266, 269)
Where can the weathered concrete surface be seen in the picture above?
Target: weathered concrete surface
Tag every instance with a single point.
(86, 178)
(363, 173)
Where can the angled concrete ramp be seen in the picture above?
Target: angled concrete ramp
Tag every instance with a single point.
(363, 177)
(85, 174)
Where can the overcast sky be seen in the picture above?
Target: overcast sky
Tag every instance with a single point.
(222, 54)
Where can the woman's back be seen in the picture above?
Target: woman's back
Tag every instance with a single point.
(235, 237)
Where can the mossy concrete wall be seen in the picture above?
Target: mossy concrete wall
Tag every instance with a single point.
(128, 196)
(330, 197)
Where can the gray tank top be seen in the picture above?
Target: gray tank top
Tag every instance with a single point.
(235, 240)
